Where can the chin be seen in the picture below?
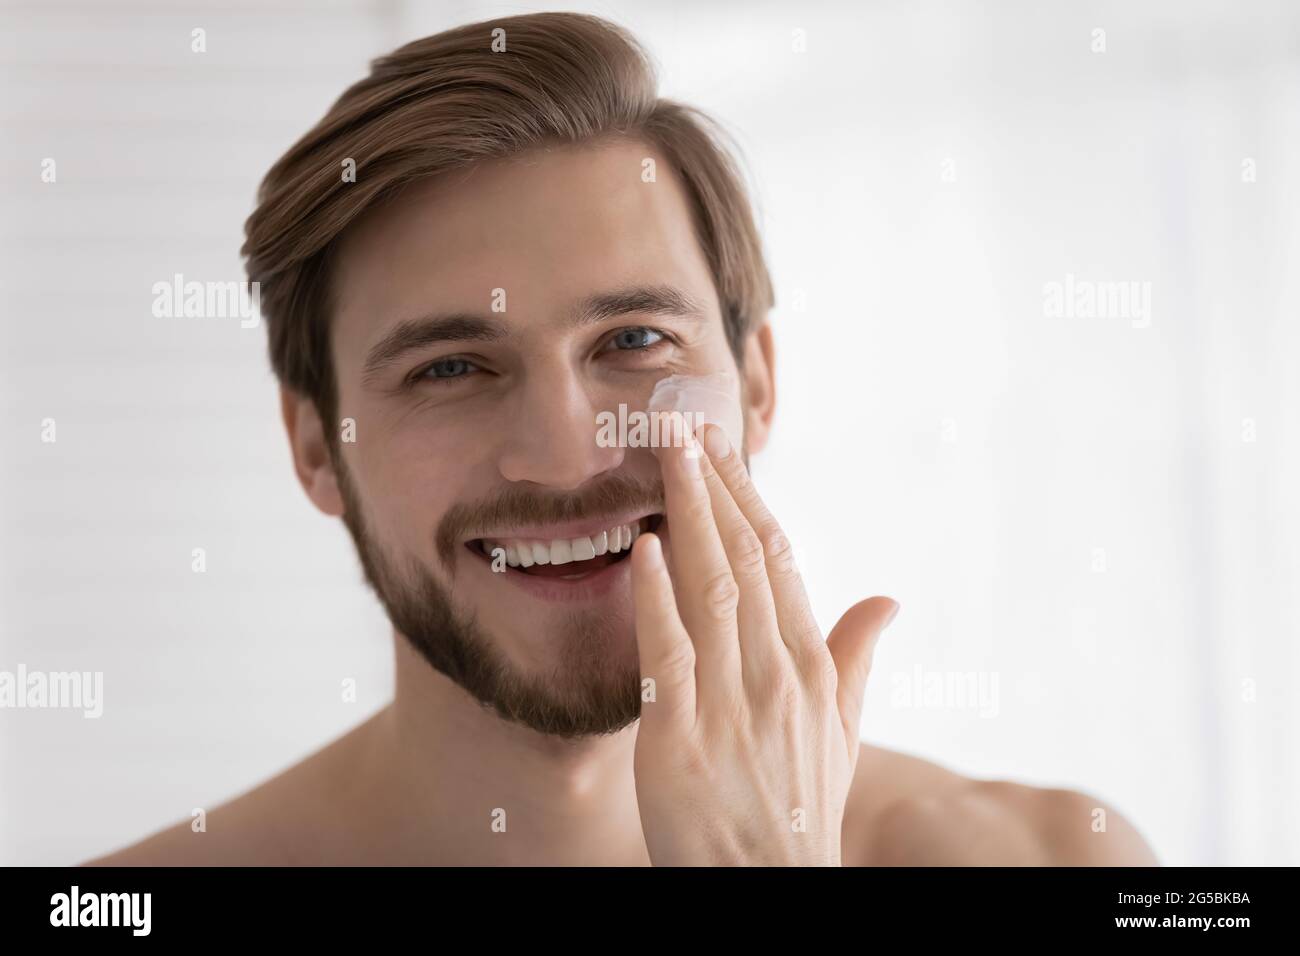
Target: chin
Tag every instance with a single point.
(571, 641)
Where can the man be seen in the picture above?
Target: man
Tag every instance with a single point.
(604, 654)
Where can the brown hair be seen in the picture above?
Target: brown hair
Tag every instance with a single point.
(449, 100)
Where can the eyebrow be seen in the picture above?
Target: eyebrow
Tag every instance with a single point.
(411, 334)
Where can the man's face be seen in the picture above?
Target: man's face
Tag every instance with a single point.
(484, 320)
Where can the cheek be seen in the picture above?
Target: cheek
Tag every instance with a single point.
(711, 398)
(410, 480)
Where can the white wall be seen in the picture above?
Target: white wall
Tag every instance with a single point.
(924, 169)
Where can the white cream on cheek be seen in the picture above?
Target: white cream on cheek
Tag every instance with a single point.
(707, 398)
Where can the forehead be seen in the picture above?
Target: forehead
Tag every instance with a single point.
(549, 226)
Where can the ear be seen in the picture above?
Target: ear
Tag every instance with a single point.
(760, 387)
(311, 454)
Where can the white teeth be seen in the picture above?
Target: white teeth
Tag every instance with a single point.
(561, 552)
(565, 551)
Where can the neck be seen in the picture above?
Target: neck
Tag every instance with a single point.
(465, 787)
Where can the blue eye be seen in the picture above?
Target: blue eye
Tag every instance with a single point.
(632, 339)
(448, 368)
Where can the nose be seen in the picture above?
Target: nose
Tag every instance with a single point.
(550, 439)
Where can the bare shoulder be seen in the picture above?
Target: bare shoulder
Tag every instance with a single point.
(904, 811)
(251, 830)
(291, 819)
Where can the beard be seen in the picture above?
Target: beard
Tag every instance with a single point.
(590, 690)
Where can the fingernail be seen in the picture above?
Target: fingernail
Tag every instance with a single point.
(716, 443)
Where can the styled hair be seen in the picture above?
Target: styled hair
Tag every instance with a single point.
(450, 100)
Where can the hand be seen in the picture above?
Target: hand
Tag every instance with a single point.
(747, 752)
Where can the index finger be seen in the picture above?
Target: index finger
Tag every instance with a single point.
(707, 594)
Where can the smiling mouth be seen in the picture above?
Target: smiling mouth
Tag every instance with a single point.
(566, 558)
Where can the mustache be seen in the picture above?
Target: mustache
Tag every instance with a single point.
(516, 506)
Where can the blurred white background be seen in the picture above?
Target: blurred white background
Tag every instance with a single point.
(1091, 513)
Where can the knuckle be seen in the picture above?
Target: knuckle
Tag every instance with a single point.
(754, 504)
(779, 551)
(722, 595)
(748, 551)
(681, 661)
(784, 690)
(745, 491)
